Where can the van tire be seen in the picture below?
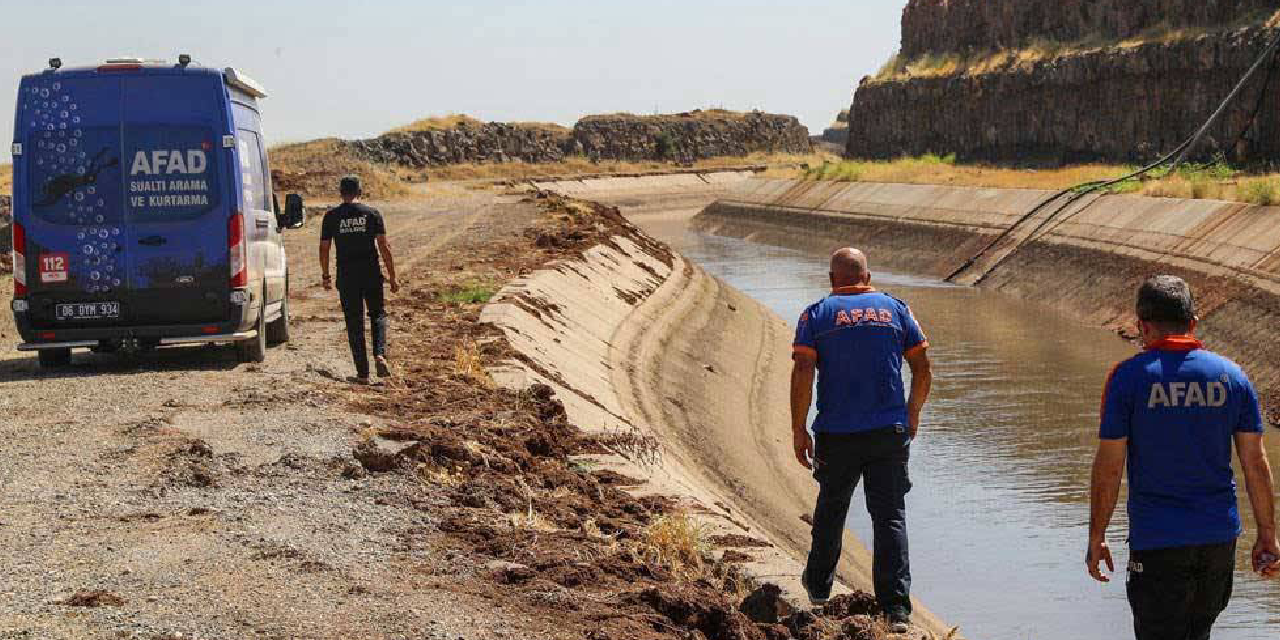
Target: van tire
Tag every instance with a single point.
(278, 331)
(255, 349)
(54, 358)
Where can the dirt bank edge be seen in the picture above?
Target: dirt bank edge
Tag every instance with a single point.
(639, 344)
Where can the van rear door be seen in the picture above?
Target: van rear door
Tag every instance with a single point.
(71, 203)
(176, 207)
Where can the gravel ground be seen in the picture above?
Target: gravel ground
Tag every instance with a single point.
(190, 496)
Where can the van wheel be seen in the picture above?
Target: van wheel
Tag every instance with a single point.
(278, 331)
(255, 349)
(54, 358)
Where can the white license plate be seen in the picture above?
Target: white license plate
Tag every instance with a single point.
(89, 310)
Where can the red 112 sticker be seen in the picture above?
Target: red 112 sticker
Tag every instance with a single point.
(53, 267)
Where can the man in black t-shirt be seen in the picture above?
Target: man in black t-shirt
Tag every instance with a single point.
(361, 236)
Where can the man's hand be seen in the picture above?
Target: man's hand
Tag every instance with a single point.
(804, 448)
(1266, 556)
(1099, 553)
(395, 286)
(913, 424)
(328, 283)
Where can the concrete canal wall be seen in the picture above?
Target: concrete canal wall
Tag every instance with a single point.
(1085, 260)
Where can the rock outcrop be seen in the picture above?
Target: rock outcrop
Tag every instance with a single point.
(1117, 103)
(838, 132)
(485, 143)
(689, 136)
(950, 26)
(682, 137)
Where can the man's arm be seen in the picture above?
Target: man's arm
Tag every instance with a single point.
(384, 248)
(1104, 492)
(802, 374)
(921, 383)
(1257, 482)
(324, 263)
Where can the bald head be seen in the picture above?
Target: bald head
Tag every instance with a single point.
(849, 268)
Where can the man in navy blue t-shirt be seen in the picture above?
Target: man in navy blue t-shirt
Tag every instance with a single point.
(1174, 412)
(855, 340)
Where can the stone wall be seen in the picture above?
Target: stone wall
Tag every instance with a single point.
(683, 137)
(492, 142)
(1122, 104)
(945, 26)
(689, 136)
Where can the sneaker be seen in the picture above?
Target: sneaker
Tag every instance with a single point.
(384, 370)
(899, 622)
(360, 380)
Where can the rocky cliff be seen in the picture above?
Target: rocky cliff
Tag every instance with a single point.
(1078, 93)
(1122, 104)
(948, 26)
(681, 137)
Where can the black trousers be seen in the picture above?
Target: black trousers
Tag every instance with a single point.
(1177, 593)
(356, 294)
(880, 459)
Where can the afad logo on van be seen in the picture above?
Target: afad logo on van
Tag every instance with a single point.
(168, 162)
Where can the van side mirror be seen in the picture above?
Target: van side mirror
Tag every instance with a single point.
(295, 214)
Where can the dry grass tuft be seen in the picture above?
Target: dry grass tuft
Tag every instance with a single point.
(677, 544)
(437, 123)
(632, 444)
(468, 363)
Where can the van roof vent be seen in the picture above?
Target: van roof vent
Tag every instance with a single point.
(125, 60)
(244, 83)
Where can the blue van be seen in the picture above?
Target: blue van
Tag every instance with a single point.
(143, 214)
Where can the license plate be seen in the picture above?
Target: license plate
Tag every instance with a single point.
(88, 310)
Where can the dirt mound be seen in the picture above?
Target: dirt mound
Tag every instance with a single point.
(501, 482)
(97, 598)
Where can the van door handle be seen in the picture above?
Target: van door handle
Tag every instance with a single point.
(152, 241)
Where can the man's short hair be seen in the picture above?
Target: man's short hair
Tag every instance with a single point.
(1166, 302)
(349, 186)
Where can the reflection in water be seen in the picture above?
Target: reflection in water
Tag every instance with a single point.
(999, 511)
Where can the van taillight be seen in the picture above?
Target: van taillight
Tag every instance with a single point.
(19, 261)
(235, 244)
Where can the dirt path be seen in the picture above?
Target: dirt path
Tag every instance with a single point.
(209, 495)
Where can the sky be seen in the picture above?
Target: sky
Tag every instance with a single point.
(356, 69)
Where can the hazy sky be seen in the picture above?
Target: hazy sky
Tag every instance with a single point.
(355, 69)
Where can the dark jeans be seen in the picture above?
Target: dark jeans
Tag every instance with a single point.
(355, 294)
(880, 458)
(1177, 593)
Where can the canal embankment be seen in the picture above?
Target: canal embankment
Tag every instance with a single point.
(1085, 260)
(645, 347)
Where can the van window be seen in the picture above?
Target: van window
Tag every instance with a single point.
(253, 171)
(70, 130)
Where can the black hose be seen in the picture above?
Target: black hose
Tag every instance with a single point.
(1081, 190)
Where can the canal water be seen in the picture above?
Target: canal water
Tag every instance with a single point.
(999, 511)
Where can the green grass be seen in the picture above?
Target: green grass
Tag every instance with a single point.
(470, 294)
